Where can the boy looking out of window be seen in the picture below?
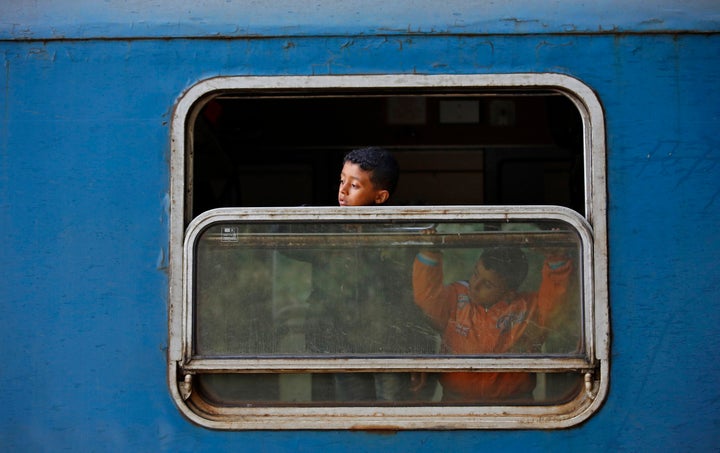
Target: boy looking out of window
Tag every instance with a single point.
(361, 300)
(368, 177)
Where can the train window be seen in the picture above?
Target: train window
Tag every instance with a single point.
(477, 300)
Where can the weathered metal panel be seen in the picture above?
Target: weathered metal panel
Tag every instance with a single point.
(84, 181)
(84, 19)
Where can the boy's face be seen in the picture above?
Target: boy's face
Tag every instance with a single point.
(486, 286)
(356, 189)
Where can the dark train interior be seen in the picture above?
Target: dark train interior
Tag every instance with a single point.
(454, 148)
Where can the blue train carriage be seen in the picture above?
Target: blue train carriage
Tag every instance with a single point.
(177, 273)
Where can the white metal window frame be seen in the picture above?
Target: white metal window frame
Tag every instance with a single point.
(181, 368)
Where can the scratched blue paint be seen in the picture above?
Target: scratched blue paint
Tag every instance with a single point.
(84, 171)
(53, 19)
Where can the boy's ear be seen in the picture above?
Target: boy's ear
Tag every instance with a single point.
(381, 196)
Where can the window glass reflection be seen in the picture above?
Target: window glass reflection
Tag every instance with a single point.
(260, 390)
(382, 290)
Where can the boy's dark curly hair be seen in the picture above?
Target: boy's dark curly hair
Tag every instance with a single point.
(384, 169)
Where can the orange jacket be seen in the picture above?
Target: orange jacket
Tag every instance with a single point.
(509, 326)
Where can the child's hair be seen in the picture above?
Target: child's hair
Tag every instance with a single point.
(510, 263)
(383, 168)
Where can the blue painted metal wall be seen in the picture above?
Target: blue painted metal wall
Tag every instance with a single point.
(84, 172)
